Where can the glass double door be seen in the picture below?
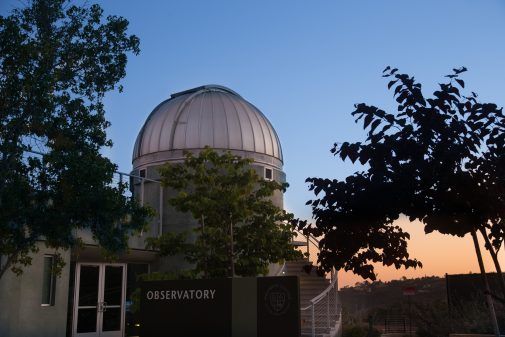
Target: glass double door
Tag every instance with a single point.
(99, 300)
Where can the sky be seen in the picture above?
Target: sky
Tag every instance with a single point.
(305, 64)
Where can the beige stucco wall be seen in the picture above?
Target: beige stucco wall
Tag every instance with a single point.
(21, 313)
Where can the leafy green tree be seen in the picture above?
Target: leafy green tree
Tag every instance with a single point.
(240, 230)
(57, 61)
(438, 160)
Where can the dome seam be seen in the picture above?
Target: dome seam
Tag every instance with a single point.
(200, 118)
(178, 114)
(228, 141)
(213, 129)
(252, 127)
(242, 126)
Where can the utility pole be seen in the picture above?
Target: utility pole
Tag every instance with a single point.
(410, 316)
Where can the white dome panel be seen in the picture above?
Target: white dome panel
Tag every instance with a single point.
(212, 116)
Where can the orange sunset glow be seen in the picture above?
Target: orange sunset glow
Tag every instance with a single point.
(440, 254)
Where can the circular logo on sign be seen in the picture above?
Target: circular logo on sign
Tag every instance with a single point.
(277, 299)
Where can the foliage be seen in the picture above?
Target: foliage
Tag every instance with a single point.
(434, 319)
(431, 314)
(224, 193)
(57, 61)
(439, 160)
(358, 324)
(359, 331)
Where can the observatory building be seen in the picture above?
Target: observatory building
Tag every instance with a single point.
(212, 116)
(92, 295)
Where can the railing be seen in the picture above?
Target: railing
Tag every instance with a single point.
(324, 309)
(282, 270)
(325, 313)
(131, 180)
(310, 240)
(395, 324)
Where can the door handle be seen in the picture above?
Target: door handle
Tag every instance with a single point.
(102, 306)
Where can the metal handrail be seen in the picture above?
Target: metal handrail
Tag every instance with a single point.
(138, 177)
(310, 239)
(327, 294)
(319, 297)
(140, 196)
(328, 316)
(281, 271)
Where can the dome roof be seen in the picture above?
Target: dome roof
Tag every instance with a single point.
(209, 115)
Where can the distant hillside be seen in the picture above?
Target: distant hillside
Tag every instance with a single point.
(378, 302)
(390, 294)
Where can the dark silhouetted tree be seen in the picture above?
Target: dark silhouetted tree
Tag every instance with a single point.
(57, 61)
(438, 160)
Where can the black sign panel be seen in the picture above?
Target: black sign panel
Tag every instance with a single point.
(189, 308)
(278, 307)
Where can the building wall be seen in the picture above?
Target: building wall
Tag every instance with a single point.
(21, 312)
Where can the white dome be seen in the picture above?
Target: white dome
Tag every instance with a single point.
(209, 115)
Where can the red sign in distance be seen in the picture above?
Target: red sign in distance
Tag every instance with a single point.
(409, 291)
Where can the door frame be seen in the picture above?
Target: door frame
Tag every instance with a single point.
(101, 285)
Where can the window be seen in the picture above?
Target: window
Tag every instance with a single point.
(268, 174)
(48, 281)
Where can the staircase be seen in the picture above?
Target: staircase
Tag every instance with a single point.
(318, 301)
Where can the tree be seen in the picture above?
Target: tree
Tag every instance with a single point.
(438, 160)
(57, 62)
(240, 230)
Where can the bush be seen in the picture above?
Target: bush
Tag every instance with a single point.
(360, 331)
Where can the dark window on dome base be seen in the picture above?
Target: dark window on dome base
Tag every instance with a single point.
(268, 174)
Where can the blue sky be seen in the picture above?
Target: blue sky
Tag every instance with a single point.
(304, 64)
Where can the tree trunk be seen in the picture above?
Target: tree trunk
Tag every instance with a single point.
(232, 262)
(204, 247)
(494, 255)
(489, 300)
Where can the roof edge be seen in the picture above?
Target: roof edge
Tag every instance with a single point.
(207, 87)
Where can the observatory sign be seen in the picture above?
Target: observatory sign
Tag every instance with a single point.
(188, 294)
(245, 307)
(171, 308)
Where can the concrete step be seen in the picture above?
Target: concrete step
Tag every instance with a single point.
(314, 287)
(314, 281)
(311, 285)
